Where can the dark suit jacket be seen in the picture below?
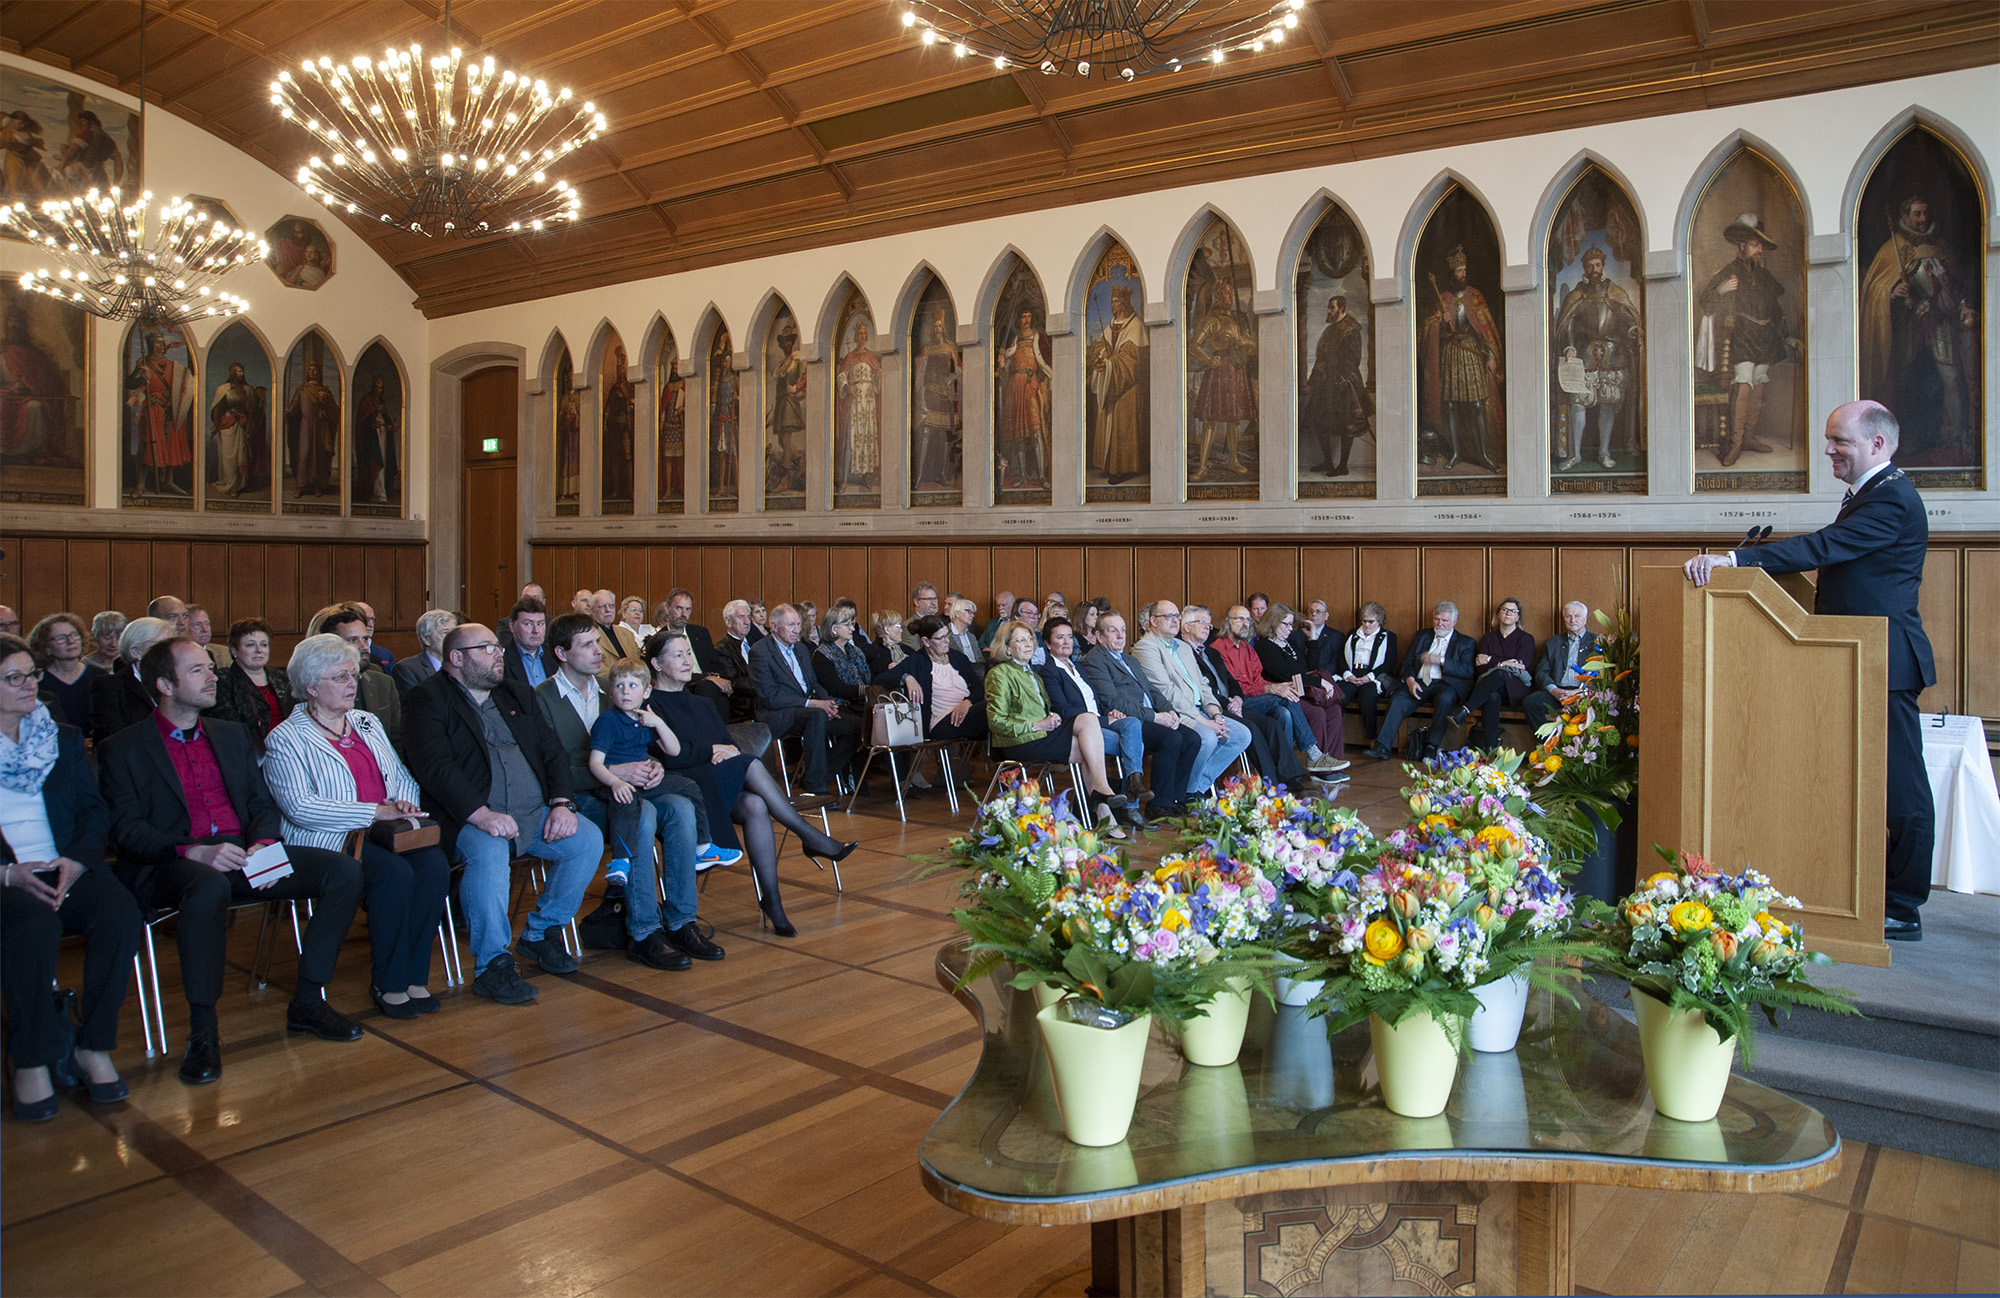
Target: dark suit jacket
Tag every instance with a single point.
(732, 667)
(1320, 653)
(446, 747)
(77, 815)
(1555, 657)
(512, 662)
(1119, 686)
(117, 699)
(1220, 679)
(149, 813)
(776, 687)
(707, 661)
(1457, 665)
(1382, 662)
(381, 655)
(1064, 696)
(917, 666)
(567, 726)
(1871, 564)
(412, 672)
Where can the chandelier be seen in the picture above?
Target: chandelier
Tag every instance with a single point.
(1112, 39)
(440, 145)
(108, 262)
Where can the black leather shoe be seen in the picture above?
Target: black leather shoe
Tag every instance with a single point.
(658, 953)
(1903, 930)
(1379, 753)
(203, 1062)
(36, 1110)
(321, 1020)
(110, 1092)
(404, 1009)
(689, 941)
(426, 1004)
(844, 851)
(547, 951)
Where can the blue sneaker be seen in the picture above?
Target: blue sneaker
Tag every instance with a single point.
(707, 856)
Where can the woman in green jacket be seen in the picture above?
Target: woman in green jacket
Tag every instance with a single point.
(1025, 728)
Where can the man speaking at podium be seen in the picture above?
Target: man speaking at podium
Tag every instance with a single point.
(1871, 564)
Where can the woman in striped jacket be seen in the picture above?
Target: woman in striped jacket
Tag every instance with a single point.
(332, 771)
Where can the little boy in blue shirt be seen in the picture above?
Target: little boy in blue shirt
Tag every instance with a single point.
(623, 733)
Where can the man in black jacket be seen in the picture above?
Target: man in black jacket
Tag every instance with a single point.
(498, 782)
(1121, 693)
(732, 659)
(188, 807)
(1437, 671)
(711, 682)
(526, 659)
(792, 702)
(1563, 654)
(1871, 564)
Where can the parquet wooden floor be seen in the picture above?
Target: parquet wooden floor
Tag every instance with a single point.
(749, 1127)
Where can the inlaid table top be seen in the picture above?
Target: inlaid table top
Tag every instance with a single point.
(1568, 1104)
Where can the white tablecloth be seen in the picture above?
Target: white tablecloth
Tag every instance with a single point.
(1967, 857)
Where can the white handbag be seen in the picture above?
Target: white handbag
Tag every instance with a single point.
(898, 723)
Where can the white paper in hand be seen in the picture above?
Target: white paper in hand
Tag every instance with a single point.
(267, 865)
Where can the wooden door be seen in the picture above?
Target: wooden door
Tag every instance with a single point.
(489, 414)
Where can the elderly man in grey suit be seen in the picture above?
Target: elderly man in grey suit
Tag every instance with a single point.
(792, 702)
(420, 667)
(1172, 675)
(1122, 694)
(1556, 678)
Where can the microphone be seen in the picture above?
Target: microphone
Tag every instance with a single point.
(1755, 536)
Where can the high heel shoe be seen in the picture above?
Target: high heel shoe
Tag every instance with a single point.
(833, 858)
(781, 927)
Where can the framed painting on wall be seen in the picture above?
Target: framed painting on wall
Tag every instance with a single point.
(312, 443)
(1222, 414)
(618, 417)
(857, 409)
(567, 418)
(725, 434)
(1023, 387)
(237, 409)
(63, 140)
(1118, 384)
(1461, 351)
(377, 452)
(937, 402)
(672, 386)
(1335, 364)
(1597, 341)
(45, 404)
(784, 415)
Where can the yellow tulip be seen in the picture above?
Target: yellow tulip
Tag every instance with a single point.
(1690, 916)
(1173, 921)
(1382, 941)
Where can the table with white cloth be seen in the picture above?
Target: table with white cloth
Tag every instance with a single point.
(1967, 856)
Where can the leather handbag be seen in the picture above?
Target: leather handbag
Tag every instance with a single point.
(405, 833)
(1321, 691)
(898, 722)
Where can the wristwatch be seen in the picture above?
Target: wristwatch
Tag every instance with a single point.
(560, 802)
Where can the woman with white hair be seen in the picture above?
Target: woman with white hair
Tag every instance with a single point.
(119, 698)
(105, 629)
(332, 771)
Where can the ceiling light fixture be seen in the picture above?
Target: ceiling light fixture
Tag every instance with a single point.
(1118, 39)
(440, 145)
(108, 264)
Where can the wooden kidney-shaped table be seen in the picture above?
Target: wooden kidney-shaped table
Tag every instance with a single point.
(1284, 1173)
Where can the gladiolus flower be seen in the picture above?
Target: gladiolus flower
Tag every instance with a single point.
(1382, 940)
(1690, 916)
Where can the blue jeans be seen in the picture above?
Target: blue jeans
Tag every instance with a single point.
(1125, 740)
(483, 891)
(1216, 752)
(642, 895)
(677, 841)
(1298, 731)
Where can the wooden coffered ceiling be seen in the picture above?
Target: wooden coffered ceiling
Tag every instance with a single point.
(745, 127)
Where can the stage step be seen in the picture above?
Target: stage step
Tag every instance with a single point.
(1921, 1070)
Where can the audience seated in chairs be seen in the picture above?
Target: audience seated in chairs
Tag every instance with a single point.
(676, 614)
(375, 653)
(664, 806)
(1504, 659)
(942, 681)
(419, 667)
(841, 665)
(379, 695)
(619, 642)
(57, 644)
(333, 772)
(1564, 654)
(248, 691)
(964, 638)
(498, 783)
(526, 660)
(736, 787)
(1316, 642)
(202, 631)
(1171, 673)
(1437, 670)
(1026, 727)
(1364, 668)
(1270, 752)
(733, 659)
(1122, 693)
(1284, 672)
(886, 632)
(1244, 653)
(792, 702)
(1072, 695)
(119, 699)
(52, 825)
(1003, 612)
(760, 621)
(188, 806)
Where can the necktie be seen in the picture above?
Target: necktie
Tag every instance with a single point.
(1846, 498)
(792, 657)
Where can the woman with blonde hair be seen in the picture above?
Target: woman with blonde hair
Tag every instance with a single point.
(1027, 728)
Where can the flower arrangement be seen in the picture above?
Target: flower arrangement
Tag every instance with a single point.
(1047, 895)
(1589, 755)
(1307, 849)
(1696, 938)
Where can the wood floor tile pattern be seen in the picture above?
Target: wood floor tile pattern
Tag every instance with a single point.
(747, 1127)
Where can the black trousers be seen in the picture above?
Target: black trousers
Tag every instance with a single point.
(405, 897)
(1542, 707)
(1271, 750)
(973, 727)
(824, 737)
(1175, 751)
(1906, 869)
(1367, 700)
(99, 907)
(1489, 699)
(1441, 694)
(333, 880)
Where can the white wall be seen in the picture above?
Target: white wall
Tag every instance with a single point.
(1826, 140)
(363, 301)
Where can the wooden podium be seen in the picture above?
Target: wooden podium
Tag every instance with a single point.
(1762, 743)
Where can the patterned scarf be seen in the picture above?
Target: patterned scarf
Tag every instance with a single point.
(23, 766)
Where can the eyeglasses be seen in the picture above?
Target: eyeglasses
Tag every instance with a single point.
(342, 678)
(491, 647)
(1167, 617)
(65, 637)
(14, 680)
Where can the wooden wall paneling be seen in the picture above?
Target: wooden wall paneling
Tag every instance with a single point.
(889, 577)
(316, 588)
(1109, 570)
(1389, 578)
(1938, 604)
(43, 590)
(931, 563)
(170, 571)
(378, 582)
(1982, 631)
(809, 579)
(589, 567)
(1651, 556)
(244, 588)
(1326, 572)
(86, 576)
(1528, 573)
(131, 576)
(847, 574)
(350, 575)
(968, 569)
(779, 586)
(661, 574)
(1594, 574)
(412, 589)
(1060, 568)
(1014, 569)
(746, 574)
(1456, 573)
(541, 567)
(1157, 571)
(715, 589)
(282, 604)
(1214, 578)
(609, 573)
(1273, 570)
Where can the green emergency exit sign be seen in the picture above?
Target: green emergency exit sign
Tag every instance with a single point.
(490, 445)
